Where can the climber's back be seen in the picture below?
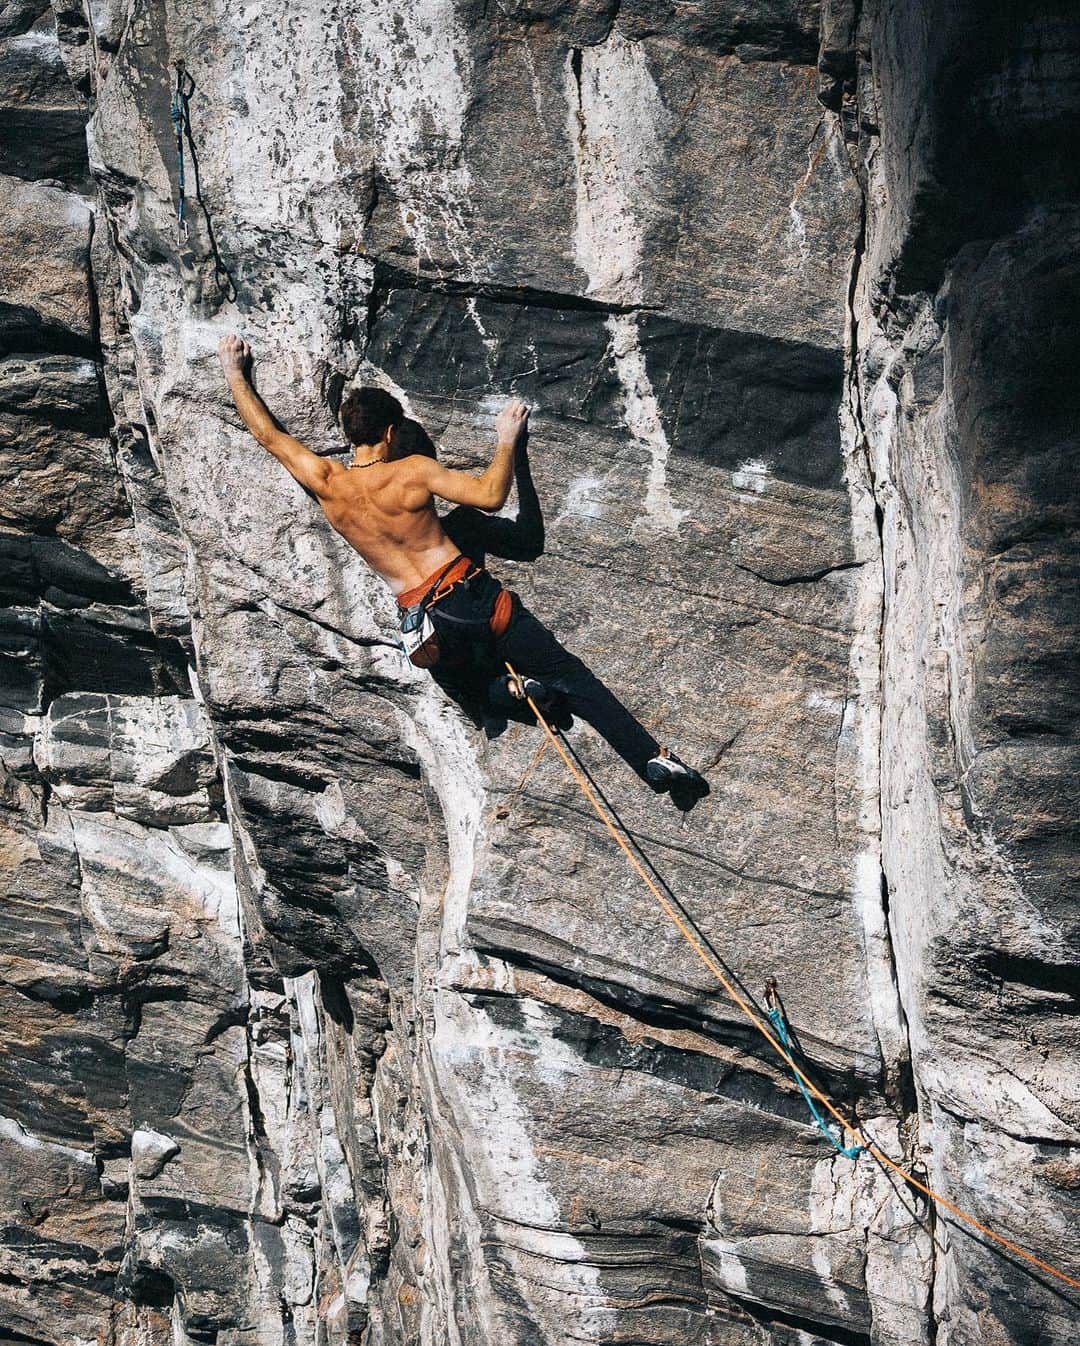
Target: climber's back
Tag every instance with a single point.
(385, 507)
(386, 511)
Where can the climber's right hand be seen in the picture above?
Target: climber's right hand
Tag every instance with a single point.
(234, 353)
(512, 422)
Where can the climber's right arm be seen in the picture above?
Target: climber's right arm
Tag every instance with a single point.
(488, 491)
(311, 471)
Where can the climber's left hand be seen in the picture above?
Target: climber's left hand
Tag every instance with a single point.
(235, 354)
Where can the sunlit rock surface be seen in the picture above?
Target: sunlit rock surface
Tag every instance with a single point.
(320, 1026)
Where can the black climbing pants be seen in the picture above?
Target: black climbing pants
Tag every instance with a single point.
(472, 657)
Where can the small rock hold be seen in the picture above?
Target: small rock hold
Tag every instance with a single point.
(150, 1152)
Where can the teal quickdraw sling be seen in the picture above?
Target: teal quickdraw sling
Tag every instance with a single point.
(776, 1018)
(178, 114)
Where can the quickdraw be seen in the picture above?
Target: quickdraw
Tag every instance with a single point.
(179, 116)
(776, 1017)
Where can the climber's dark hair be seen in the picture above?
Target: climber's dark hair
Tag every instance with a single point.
(366, 412)
(409, 438)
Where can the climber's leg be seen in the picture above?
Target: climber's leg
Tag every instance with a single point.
(505, 697)
(462, 685)
(533, 651)
(468, 671)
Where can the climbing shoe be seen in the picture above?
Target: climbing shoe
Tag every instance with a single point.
(503, 696)
(666, 774)
(530, 690)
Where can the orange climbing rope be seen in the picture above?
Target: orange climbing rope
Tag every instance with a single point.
(688, 934)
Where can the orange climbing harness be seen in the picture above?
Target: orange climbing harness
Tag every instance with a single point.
(695, 943)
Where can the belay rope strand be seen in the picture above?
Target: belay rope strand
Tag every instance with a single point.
(806, 1084)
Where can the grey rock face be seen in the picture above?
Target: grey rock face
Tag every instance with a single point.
(965, 317)
(318, 1025)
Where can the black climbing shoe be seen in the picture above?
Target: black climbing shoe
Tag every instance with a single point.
(665, 773)
(550, 702)
(502, 695)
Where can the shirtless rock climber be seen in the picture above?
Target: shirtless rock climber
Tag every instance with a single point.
(384, 506)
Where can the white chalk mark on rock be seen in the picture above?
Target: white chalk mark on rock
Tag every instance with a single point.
(479, 1067)
(437, 735)
(798, 229)
(581, 500)
(489, 343)
(534, 78)
(615, 121)
(752, 475)
(13, 1130)
(419, 109)
(641, 414)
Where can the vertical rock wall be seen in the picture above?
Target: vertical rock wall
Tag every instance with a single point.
(965, 305)
(316, 1028)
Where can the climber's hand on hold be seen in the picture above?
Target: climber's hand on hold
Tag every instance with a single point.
(512, 422)
(310, 470)
(235, 354)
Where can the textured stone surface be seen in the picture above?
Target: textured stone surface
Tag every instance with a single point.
(971, 425)
(315, 1028)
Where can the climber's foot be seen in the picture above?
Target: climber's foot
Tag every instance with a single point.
(550, 702)
(558, 713)
(667, 774)
(513, 696)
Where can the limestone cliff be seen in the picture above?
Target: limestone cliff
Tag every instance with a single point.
(315, 1027)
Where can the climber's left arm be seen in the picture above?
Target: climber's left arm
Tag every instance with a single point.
(311, 471)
